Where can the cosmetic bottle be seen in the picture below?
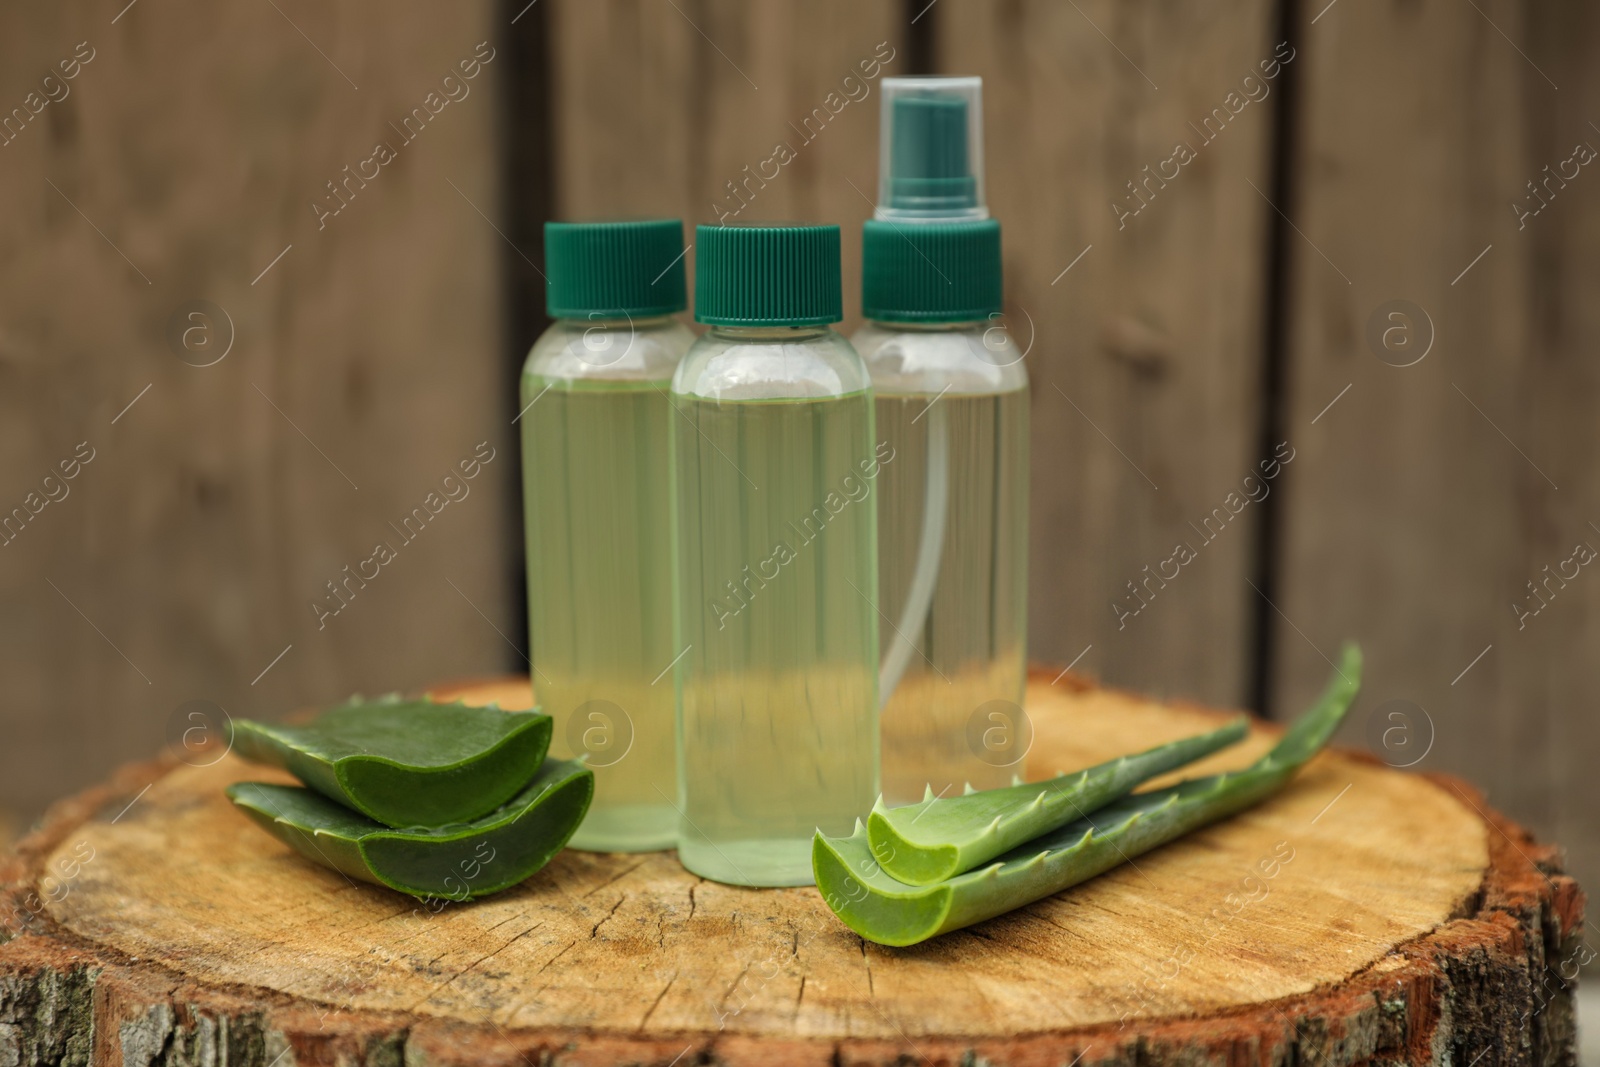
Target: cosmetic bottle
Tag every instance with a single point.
(774, 467)
(595, 420)
(952, 405)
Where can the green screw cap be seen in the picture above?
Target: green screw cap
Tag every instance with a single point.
(767, 275)
(614, 269)
(931, 271)
(929, 162)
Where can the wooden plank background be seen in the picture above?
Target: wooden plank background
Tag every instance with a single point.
(1179, 329)
(365, 363)
(1429, 496)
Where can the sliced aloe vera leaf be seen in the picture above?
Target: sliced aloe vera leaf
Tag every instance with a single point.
(406, 763)
(455, 862)
(937, 839)
(889, 912)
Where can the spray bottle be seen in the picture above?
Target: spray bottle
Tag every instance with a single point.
(952, 405)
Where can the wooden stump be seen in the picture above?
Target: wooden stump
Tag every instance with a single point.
(1362, 916)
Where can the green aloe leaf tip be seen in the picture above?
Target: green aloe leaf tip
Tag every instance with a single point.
(882, 909)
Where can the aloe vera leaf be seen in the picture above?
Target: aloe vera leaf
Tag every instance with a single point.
(921, 844)
(455, 862)
(889, 912)
(406, 763)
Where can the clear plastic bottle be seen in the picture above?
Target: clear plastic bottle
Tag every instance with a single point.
(774, 463)
(952, 404)
(595, 421)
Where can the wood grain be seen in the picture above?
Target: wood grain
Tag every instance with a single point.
(1145, 355)
(1391, 895)
(188, 552)
(1429, 496)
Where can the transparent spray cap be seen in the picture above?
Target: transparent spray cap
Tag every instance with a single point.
(930, 150)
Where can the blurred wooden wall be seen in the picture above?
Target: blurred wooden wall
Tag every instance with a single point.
(1196, 321)
(183, 163)
(1429, 502)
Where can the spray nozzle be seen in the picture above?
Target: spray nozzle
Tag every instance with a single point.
(930, 163)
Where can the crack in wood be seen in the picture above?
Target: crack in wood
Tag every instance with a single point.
(472, 966)
(615, 878)
(656, 1002)
(867, 963)
(594, 931)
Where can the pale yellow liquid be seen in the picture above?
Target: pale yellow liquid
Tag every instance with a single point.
(953, 718)
(776, 580)
(595, 492)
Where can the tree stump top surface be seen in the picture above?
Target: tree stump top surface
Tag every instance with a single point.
(1346, 877)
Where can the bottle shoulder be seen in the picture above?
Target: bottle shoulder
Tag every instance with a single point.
(978, 358)
(609, 350)
(730, 366)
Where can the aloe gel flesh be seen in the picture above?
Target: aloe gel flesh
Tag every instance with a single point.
(774, 465)
(952, 402)
(595, 421)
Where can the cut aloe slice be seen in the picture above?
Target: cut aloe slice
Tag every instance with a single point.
(406, 763)
(921, 844)
(451, 862)
(889, 912)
